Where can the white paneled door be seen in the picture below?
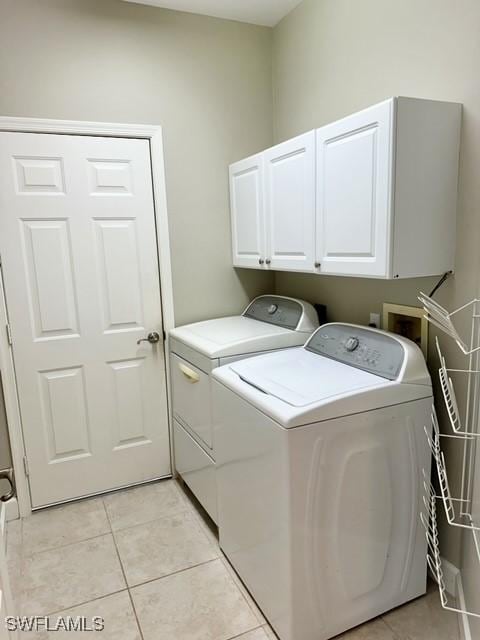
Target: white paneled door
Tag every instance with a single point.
(80, 261)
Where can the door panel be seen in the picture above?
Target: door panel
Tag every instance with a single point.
(65, 413)
(118, 273)
(354, 164)
(247, 211)
(48, 264)
(130, 427)
(110, 177)
(290, 203)
(36, 175)
(78, 243)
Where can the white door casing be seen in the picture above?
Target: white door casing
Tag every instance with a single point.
(247, 212)
(290, 203)
(354, 176)
(78, 244)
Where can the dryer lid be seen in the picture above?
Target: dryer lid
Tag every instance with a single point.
(235, 335)
(269, 322)
(301, 378)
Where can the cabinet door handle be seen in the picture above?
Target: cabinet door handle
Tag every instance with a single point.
(268, 261)
(261, 261)
(318, 265)
(190, 374)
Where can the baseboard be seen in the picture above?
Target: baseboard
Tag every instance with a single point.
(13, 512)
(454, 587)
(450, 575)
(463, 619)
(8, 511)
(3, 525)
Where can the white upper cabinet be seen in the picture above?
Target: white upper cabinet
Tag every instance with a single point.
(290, 204)
(387, 189)
(371, 195)
(353, 192)
(248, 214)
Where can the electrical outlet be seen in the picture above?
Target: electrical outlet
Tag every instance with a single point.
(374, 320)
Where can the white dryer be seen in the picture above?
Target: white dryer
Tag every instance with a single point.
(320, 453)
(269, 322)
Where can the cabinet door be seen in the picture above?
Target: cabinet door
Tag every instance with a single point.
(354, 193)
(290, 204)
(247, 211)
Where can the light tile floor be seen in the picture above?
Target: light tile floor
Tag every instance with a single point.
(147, 561)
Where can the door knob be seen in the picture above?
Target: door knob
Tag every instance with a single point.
(261, 261)
(152, 337)
(268, 261)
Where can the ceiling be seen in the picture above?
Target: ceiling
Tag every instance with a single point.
(263, 12)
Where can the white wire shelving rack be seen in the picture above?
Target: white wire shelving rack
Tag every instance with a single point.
(464, 431)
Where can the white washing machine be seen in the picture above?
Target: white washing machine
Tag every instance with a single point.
(269, 322)
(320, 453)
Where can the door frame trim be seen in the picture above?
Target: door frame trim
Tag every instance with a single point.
(154, 135)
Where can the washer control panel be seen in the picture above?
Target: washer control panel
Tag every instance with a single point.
(370, 350)
(282, 312)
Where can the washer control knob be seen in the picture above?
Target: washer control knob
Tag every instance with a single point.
(352, 343)
(272, 308)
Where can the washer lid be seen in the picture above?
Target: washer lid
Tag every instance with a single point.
(297, 387)
(236, 335)
(301, 378)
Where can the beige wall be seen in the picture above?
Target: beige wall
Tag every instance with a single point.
(332, 57)
(206, 81)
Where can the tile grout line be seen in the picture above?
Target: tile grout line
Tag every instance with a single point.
(67, 544)
(25, 557)
(204, 525)
(138, 524)
(244, 633)
(205, 528)
(186, 507)
(393, 631)
(173, 573)
(123, 572)
(259, 624)
(81, 604)
(175, 514)
(255, 611)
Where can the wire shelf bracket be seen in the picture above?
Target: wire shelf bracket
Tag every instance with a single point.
(434, 560)
(442, 319)
(464, 430)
